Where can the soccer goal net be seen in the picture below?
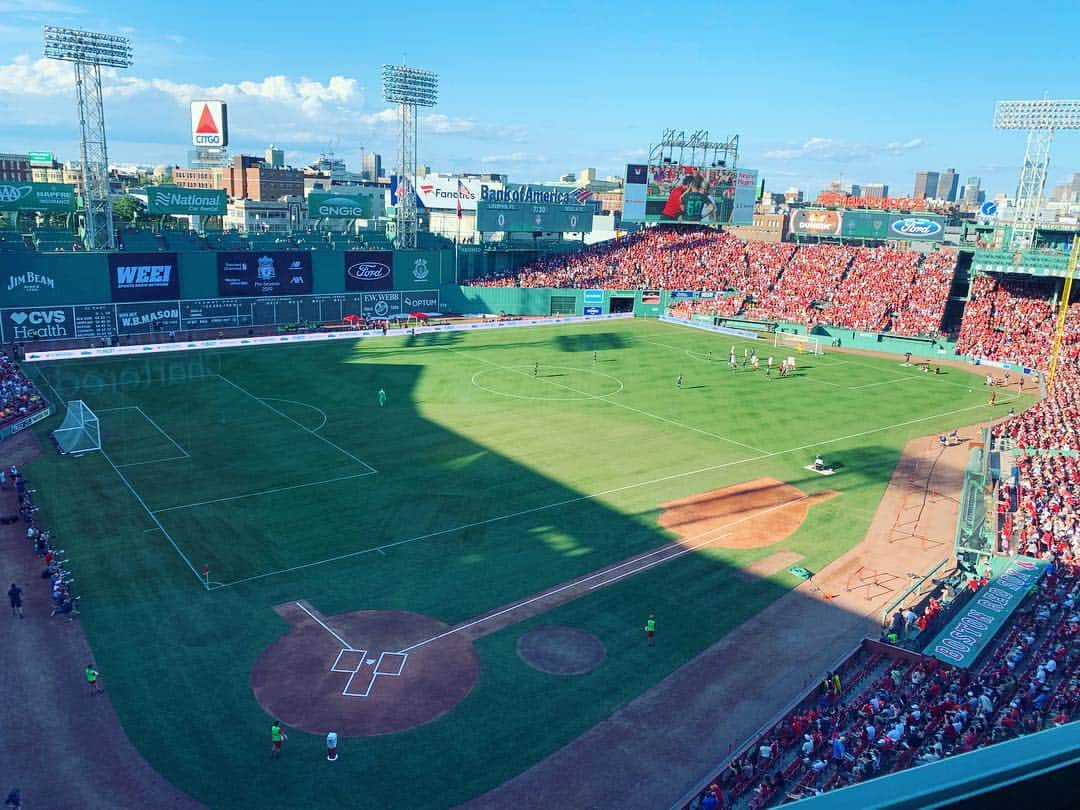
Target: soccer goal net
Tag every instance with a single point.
(800, 343)
(80, 432)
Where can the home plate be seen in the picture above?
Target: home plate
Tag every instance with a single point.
(822, 471)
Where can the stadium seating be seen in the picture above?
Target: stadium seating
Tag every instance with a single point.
(894, 710)
(184, 240)
(140, 240)
(874, 289)
(13, 242)
(56, 240)
(18, 396)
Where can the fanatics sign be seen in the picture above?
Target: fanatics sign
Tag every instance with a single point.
(209, 123)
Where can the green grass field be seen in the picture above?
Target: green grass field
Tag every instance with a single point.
(476, 485)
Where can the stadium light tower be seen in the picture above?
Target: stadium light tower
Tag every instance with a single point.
(409, 88)
(89, 52)
(1040, 118)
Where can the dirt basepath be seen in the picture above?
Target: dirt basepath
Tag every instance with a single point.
(652, 751)
(61, 746)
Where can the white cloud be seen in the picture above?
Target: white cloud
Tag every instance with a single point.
(42, 77)
(818, 148)
(514, 157)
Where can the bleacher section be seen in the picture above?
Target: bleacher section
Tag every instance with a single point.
(140, 240)
(12, 242)
(879, 289)
(55, 240)
(183, 241)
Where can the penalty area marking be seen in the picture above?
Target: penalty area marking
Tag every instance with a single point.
(524, 371)
(319, 411)
(263, 492)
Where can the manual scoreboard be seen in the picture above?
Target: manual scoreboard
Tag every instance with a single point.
(515, 217)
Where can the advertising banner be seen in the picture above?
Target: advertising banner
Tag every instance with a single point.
(40, 158)
(139, 318)
(274, 272)
(210, 123)
(922, 228)
(369, 270)
(166, 199)
(963, 638)
(591, 310)
(446, 192)
(19, 196)
(28, 281)
(816, 222)
(354, 205)
(746, 194)
(420, 301)
(635, 190)
(866, 225)
(37, 323)
(380, 304)
(143, 276)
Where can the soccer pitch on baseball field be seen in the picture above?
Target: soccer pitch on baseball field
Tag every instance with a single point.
(502, 463)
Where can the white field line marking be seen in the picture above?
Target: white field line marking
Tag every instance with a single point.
(601, 494)
(893, 381)
(152, 461)
(308, 430)
(263, 492)
(601, 574)
(320, 411)
(153, 517)
(551, 592)
(162, 432)
(45, 377)
(604, 398)
(322, 624)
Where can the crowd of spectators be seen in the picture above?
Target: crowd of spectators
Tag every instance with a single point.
(18, 396)
(1009, 318)
(878, 289)
(884, 712)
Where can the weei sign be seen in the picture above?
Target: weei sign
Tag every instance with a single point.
(369, 270)
(343, 206)
(37, 197)
(167, 199)
(274, 272)
(143, 277)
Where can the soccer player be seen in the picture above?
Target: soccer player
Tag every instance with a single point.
(731, 357)
(536, 369)
(768, 366)
(754, 362)
(382, 397)
(594, 357)
(650, 630)
(679, 381)
(709, 355)
(277, 737)
(993, 398)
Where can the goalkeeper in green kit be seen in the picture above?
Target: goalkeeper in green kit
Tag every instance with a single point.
(381, 397)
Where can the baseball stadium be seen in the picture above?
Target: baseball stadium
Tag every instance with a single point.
(354, 512)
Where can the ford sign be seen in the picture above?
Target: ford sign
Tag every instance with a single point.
(369, 271)
(916, 227)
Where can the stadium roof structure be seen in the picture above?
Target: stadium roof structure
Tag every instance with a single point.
(1036, 770)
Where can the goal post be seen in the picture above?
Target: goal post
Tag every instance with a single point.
(80, 431)
(800, 343)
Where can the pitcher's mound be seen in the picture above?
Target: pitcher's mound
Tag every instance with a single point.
(348, 673)
(750, 514)
(561, 650)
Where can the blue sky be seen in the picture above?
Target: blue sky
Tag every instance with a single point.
(867, 91)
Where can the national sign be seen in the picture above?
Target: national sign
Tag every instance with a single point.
(168, 199)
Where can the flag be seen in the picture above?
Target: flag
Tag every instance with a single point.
(582, 195)
(461, 192)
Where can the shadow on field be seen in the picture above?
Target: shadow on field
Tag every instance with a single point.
(449, 527)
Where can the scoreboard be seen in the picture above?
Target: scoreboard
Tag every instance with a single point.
(515, 217)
